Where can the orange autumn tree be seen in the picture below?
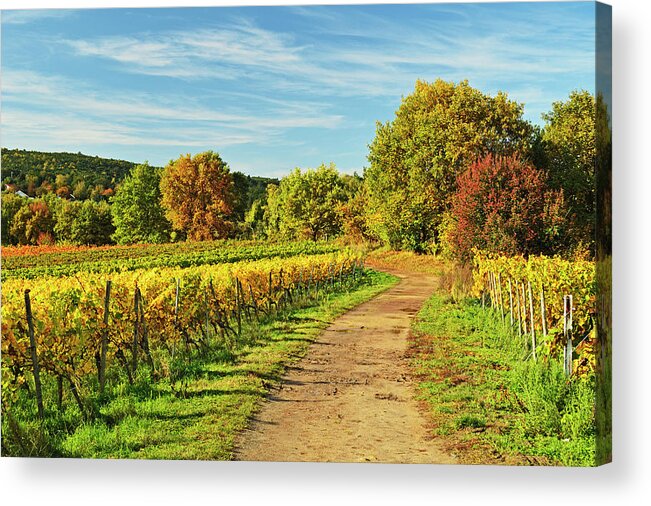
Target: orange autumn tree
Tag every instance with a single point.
(197, 194)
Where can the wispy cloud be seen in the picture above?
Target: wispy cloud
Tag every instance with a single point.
(385, 59)
(62, 111)
(300, 86)
(184, 54)
(22, 17)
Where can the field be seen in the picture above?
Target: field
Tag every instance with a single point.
(80, 351)
(168, 351)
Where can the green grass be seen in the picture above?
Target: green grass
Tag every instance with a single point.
(490, 404)
(199, 415)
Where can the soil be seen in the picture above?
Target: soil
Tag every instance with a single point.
(351, 398)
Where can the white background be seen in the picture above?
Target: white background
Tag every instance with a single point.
(626, 481)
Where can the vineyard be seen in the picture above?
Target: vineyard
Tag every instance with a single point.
(22, 262)
(73, 339)
(548, 302)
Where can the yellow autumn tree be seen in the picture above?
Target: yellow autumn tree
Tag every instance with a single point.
(197, 194)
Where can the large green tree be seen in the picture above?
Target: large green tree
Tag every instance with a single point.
(138, 214)
(570, 151)
(11, 204)
(306, 204)
(92, 224)
(438, 131)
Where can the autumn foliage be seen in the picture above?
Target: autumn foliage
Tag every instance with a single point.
(32, 224)
(503, 205)
(197, 193)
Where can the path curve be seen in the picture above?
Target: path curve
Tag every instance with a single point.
(350, 399)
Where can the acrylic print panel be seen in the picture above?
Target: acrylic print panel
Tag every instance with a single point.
(354, 233)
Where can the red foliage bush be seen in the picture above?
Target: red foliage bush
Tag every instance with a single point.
(504, 205)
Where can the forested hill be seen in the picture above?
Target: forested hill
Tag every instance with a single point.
(85, 176)
(29, 170)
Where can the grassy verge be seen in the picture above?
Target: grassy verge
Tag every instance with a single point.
(198, 415)
(490, 405)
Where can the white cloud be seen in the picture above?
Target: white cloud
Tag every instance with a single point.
(385, 60)
(22, 17)
(58, 113)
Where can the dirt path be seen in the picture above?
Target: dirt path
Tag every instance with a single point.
(351, 399)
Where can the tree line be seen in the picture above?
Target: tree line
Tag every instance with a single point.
(130, 213)
(456, 169)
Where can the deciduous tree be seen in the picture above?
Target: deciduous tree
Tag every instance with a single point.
(138, 214)
(306, 204)
(11, 204)
(504, 205)
(198, 196)
(438, 131)
(33, 224)
(570, 149)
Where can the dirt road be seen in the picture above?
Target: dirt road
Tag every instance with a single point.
(351, 399)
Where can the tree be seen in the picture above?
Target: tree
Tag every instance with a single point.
(33, 224)
(504, 205)
(83, 223)
(254, 218)
(80, 190)
(570, 149)
(198, 196)
(438, 131)
(93, 224)
(353, 218)
(241, 185)
(65, 216)
(306, 204)
(11, 204)
(61, 180)
(138, 214)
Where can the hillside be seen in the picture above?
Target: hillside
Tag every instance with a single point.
(30, 170)
(36, 172)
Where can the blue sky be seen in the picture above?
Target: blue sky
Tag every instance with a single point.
(270, 88)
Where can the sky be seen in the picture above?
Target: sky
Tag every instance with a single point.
(270, 88)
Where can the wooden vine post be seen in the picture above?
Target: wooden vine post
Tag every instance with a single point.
(533, 331)
(238, 307)
(253, 302)
(207, 315)
(499, 299)
(281, 284)
(176, 311)
(490, 287)
(176, 301)
(567, 332)
(102, 360)
(519, 309)
(136, 323)
(32, 348)
(543, 317)
(511, 302)
(145, 334)
(524, 308)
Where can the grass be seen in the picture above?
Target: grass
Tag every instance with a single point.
(405, 260)
(492, 406)
(197, 416)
